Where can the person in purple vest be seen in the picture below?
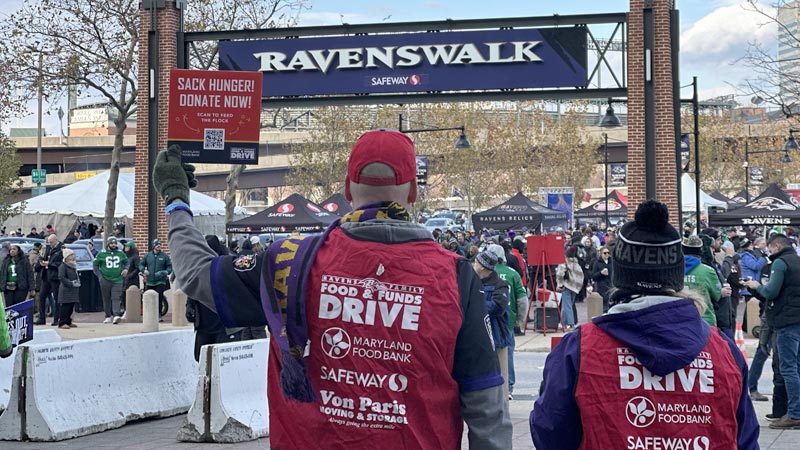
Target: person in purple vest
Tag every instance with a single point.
(650, 373)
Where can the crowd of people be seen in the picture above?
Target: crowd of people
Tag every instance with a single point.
(438, 314)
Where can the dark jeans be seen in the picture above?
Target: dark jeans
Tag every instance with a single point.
(65, 313)
(756, 368)
(14, 297)
(780, 400)
(47, 289)
(787, 341)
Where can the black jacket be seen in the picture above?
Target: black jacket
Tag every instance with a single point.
(603, 282)
(54, 256)
(24, 273)
(784, 310)
(133, 271)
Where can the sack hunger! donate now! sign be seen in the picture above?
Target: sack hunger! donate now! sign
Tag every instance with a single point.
(215, 115)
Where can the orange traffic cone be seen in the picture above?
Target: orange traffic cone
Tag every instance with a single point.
(739, 338)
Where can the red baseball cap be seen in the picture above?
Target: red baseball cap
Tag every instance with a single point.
(389, 147)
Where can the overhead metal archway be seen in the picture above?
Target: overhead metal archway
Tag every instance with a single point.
(196, 50)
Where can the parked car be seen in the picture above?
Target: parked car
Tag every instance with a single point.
(21, 240)
(83, 257)
(441, 223)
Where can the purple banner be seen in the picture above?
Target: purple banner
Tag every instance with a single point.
(414, 62)
(561, 202)
(20, 322)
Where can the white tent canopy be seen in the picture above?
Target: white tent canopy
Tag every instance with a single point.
(689, 197)
(64, 208)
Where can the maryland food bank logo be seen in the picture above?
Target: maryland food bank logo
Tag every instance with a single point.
(640, 412)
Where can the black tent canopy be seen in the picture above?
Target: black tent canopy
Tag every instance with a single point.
(772, 207)
(294, 213)
(518, 213)
(336, 204)
(732, 204)
(617, 208)
(741, 197)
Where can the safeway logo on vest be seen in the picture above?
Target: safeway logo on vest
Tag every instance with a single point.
(696, 377)
(668, 443)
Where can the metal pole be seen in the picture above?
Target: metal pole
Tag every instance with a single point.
(747, 171)
(605, 177)
(39, 124)
(695, 108)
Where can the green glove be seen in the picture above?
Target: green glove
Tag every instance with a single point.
(5, 338)
(171, 178)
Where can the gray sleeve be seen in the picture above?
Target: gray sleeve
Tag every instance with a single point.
(191, 258)
(486, 415)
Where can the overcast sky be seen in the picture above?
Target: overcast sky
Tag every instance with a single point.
(714, 33)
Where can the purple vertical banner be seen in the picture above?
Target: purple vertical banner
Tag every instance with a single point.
(561, 202)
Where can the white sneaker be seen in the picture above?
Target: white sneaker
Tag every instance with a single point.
(108, 320)
(116, 320)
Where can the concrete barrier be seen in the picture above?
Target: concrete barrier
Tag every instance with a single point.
(178, 308)
(594, 305)
(230, 404)
(150, 312)
(753, 319)
(7, 364)
(69, 389)
(133, 305)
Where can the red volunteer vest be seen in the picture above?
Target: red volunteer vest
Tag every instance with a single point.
(383, 322)
(624, 406)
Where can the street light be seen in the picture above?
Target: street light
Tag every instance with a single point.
(610, 120)
(461, 143)
(790, 144)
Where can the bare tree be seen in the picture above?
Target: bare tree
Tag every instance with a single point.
(318, 166)
(90, 44)
(215, 15)
(774, 79)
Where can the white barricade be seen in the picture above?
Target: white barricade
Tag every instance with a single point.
(234, 386)
(7, 364)
(81, 387)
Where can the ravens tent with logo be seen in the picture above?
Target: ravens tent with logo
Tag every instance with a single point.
(772, 207)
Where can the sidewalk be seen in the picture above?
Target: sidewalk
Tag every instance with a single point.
(532, 349)
(538, 341)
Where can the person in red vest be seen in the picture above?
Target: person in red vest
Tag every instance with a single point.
(651, 373)
(378, 335)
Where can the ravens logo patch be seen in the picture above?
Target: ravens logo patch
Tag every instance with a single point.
(245, 263)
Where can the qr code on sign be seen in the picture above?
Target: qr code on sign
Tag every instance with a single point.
(214, 139)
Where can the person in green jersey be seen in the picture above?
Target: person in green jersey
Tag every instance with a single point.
(109, 266)
(518, 299)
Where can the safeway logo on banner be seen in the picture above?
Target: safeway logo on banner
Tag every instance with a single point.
(286, 208)
(331, 207)
(313, 207)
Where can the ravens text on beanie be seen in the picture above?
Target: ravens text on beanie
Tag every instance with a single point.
(647, 256)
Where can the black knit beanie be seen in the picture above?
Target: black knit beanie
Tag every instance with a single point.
(648, 257)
